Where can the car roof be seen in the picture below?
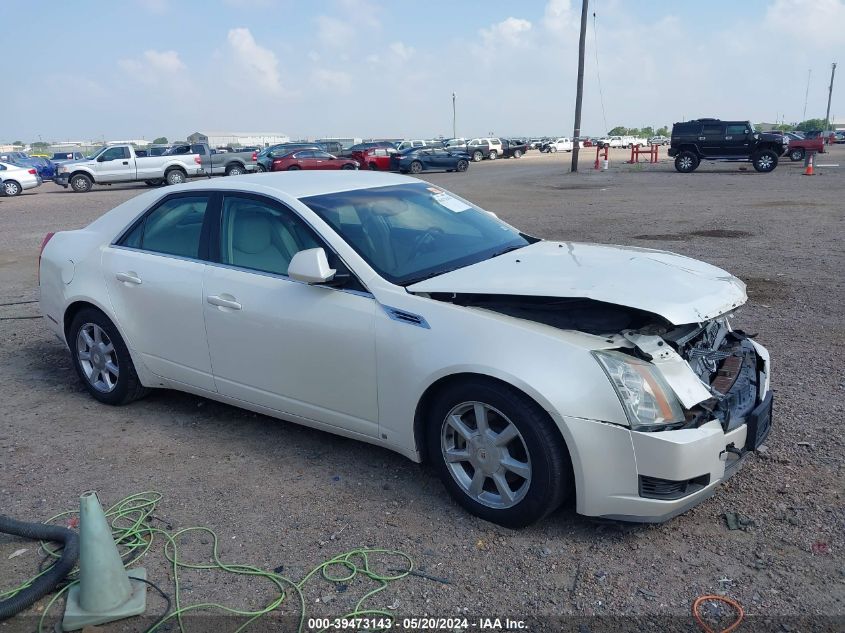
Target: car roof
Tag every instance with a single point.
(301, 184)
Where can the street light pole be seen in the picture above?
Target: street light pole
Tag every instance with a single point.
(454, 126)
(829, 95)
(579, 91)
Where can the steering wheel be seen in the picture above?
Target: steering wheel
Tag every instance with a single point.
(425, 240)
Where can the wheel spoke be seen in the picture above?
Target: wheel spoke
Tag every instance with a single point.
(503, 487)
(84, 355)
(477, 485)
(87, 338)
(108, 349)
(455, 455)
(458, 424)
(480, 412)
(111, 368)
(98, 335)
(507, 435)
(521, 469)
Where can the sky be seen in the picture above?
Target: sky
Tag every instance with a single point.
(105, 69)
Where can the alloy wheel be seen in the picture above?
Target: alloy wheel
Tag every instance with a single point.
(97, 357)
(486, 455)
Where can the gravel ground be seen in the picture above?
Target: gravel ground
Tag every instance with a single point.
(279, 494)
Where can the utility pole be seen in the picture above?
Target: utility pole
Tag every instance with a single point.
(454, 126)
(829, 96)
(579, 91)
(806, 94)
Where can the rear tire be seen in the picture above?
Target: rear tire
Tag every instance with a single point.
(87, 358)
(234, 170)
(493, 155)
(686, 162)
(348, 166)
(12, 188)
(175, 177)
(477, 156)
(154, 183)
(765, 161)
(796, 154)
(416, 167)
(552, 150)
(260, 168)
(294, 168)
(517, 153)
(81, 183)
(541, 473)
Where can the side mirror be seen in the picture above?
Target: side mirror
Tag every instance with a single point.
(311, 266)
(101, 159)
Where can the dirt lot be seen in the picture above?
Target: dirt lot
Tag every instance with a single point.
(278, 494)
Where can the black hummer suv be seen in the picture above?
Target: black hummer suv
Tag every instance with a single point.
(713, 139)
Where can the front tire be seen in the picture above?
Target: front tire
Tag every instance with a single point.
(154, 183)
(462, 165)
(12, 188)
(686, 162)
(102, 360)
(81, 183)
(497, 452)
(765, 161)
(553, 150)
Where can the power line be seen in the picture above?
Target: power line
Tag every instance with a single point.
(598, 75)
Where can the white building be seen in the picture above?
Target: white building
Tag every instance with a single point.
(223, 139)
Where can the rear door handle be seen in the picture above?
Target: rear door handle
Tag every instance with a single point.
(129, 278)
(221, 302)
(126, 162)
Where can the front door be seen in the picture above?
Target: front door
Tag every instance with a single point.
(737, 140)
(154, 278)
(115, 165)
(305, 350)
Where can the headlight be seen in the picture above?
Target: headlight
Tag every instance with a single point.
(62, 170)
(647, 399)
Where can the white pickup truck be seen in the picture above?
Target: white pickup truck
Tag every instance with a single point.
(120, 163)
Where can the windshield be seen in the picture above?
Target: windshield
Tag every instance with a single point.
(411, 232)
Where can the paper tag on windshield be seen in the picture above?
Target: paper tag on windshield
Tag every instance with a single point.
(453, 204)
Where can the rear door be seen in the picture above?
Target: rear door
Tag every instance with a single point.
(115, 165)
(712, 139)
(154, 276)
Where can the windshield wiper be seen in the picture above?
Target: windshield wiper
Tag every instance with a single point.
(507, 250)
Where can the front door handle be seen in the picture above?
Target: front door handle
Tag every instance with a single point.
(129, 278)
(126, 162)
(222, 302)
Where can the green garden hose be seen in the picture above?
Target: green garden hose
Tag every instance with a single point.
(132, 529)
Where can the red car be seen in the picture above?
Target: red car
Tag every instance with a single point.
(310, 159)
(375, 158)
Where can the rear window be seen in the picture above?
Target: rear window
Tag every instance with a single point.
(686, 128)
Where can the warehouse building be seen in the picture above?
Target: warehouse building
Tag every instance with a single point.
(225, 139)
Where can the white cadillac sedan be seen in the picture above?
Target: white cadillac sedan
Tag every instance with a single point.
(389, 310)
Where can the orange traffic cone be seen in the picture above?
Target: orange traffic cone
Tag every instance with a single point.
(809, 170)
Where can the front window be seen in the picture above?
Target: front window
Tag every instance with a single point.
(411, 232)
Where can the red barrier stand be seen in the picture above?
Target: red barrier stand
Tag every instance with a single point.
(599, 150)
(636, 150)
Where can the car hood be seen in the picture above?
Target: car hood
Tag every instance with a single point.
(677, 288)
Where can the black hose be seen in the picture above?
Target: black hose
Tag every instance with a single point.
(44, 584)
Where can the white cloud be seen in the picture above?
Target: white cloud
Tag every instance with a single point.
(154, 6)
(153, 66)
(332, 80)
(260, 65)
(402, 51)
(333, 32)
(558, 15)
(510, 31)
(810, 22)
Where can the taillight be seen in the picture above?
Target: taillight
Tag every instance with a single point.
(32, 171)
(197, 159)
(254, 157)
(46, 239)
